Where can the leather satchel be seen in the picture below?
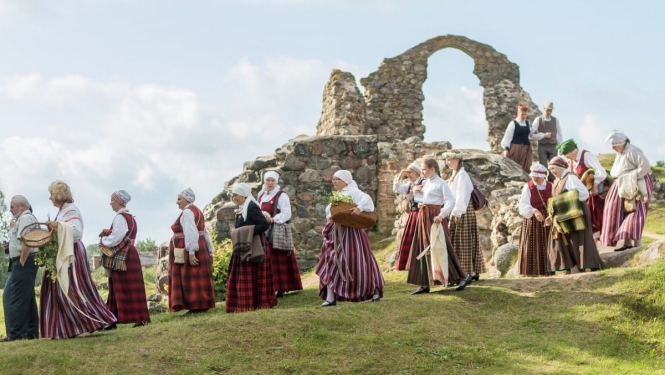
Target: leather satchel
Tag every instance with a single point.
(478, 199)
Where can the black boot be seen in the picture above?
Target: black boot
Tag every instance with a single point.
(421, 290)
(475, 276)
(464, 283)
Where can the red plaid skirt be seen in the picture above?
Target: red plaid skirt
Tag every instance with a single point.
(285, 270)
(126, 298)
(250, 285)
(191, 287)
(407, 240)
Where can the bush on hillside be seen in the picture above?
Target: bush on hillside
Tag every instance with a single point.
(220, 266)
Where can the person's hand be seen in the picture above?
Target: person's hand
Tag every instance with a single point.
(52, 224)
(548, 221)
(548, 135)
(22, 260)
(12, 223)
(594, 190)
(266, 214)
(403, 174)
(438, 219)
(5, 245)
(355, 211)
(105, 232)
(504, 153)
(418, 188)
(192, 260)
(539, 216)
(455, 219)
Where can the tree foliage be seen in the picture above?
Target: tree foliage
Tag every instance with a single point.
(145, 246)
(4, 231)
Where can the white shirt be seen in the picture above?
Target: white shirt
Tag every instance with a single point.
(71, 215)
(525, 207)
(574, 183)
(400, 188)
(591, 161)
(436, 192)
(362, 200)
(119, 232)
(629, 159)
(461, 188)
(24, 219)
(283, 205)
(510, 131)
(539, 136)
(192, 233)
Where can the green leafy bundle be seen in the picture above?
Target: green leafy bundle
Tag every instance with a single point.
(337, 197)
(46, 255)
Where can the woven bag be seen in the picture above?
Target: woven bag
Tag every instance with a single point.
(36, 236)
(341, 214)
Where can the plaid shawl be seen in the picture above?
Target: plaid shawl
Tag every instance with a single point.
(115, 258)
(566, 212)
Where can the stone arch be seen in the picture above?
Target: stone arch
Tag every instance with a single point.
(393, 94)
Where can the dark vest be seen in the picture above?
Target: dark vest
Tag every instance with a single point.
(548, 127)
(536, 202)
(521, 133)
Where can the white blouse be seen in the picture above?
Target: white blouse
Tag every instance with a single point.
(629, 159)
(192, 233)
(574, 183)
(119, 232)
(436, 192)
(71, 215)
(362, 200)
(525, 207)
(283, 205)
(400, 188)
(510, 131)
(591, 161)
(461, 188)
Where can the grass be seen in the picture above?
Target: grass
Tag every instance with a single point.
(655, 218)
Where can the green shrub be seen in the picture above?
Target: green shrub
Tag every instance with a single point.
(220, 265)
(660, 163)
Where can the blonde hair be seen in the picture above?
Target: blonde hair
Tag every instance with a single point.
(61, 192)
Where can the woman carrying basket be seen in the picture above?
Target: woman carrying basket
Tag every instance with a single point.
(276, 207)
(347, 268)
(572, 246)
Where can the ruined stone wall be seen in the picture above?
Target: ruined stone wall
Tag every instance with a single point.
(306, 165)
(343, 110)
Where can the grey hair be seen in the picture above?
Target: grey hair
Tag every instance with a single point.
(19, 199)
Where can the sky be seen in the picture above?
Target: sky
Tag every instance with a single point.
(154, 96)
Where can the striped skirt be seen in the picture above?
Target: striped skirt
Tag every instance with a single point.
(84, 310)
(533, 248)
(618, 225)
(285, 270)
(347, 265)
(464, 236)
(407, 240)
(191, 287)
(420, 270)
(249, 286)
(126, 298)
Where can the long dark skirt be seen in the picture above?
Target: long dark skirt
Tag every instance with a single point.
(464, 236)
(347, 265)
(126, 298)
(522, 155)
(420, 270)
(574, 249)
(533, 248)
(285, 270)
(406, 242)
(249, 286)
(618, 225)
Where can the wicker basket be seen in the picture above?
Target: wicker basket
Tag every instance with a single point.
(36, 237)
(341, 214)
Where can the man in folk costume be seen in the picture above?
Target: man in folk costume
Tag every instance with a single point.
(627, 202)
(574, 247)
(535, 234)
(190, 259)
(18, 299)
(547, 131)
(121, 261)
(276, 207)
(413, 173)
(587, 168)
(516, 139)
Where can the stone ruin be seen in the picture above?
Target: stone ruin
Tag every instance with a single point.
(376, 134)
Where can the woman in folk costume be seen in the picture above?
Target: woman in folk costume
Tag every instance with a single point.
(121, 261)
(586, 166)
(463, 224)
(627, 202)
(516, 140)
(434, 194)
(347, 268)
(413, 173)
(284, 265)
(535, 234)
(70, 305)
(577, 248)
(249, 285)
(190, 259)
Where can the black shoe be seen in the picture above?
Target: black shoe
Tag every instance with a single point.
(139, 324)
(7, 339)
(376, 299)
(192, 312)
(466, 282)
(280, 294)
(624, 247)
(111, 327)
(475, 276)
(328, 304)
(421, 290)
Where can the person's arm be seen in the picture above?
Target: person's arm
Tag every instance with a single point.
(534, 134)
(118, 234)
(363, 201)
(190, 232)
(211, 247)
(23, 222)
(599, 173)
(574, 183)
(73, 218)
(284, 206)
(462, 194)
(559, 134)
(525, 208)
(399, 187)
(255, 216)
(508, 136)
(643, 167)
(448, 200)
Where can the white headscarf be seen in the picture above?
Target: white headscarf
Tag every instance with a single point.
(616, 138)
(269, 174)
(346, 176)
(246, 191)
(188, 194)
(538, 170)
